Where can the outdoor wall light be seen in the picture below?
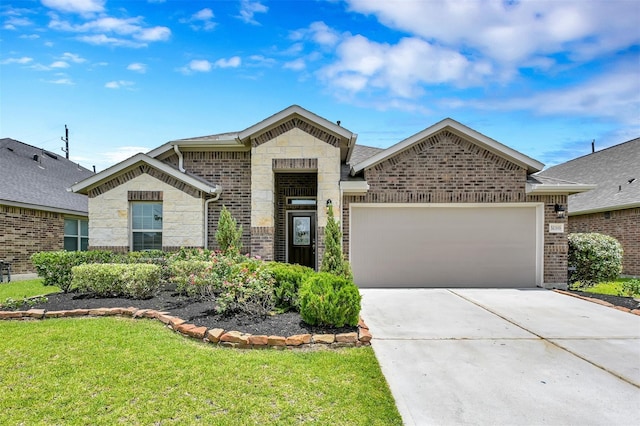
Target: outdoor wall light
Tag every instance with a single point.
(560, 211)
(329, 203)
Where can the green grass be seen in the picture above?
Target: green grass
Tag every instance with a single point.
(610, 287)
(104, 371)
(22, 289)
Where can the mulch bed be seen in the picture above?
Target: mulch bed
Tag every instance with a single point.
(625, 302)
(192, 311)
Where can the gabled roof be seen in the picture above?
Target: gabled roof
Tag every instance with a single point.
(242, 140)
(461, 130)
(537, 184)
(31, 177)
(615, 171)
(122, 167)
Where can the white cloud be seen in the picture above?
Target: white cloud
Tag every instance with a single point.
(23, 60)
(118, 84)
(30, 36)
(73, 57)
(75, 6)
(137, 67)
(103, 40)
(124, 152)
(512, 32)
(15, 22)
(295, 65)
(323, 35)
(62, 81)
(249, 8)
(154, 34)
(233, 62)
(203, 19)
(199, 65)
(260, 60)
(59, 64)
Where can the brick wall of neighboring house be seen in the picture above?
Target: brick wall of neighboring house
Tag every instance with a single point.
(623, 225)
(232, 171)
(448, 169)
(27, 231)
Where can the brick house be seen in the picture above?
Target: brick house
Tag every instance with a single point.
(446, 207)
(613, 208)
(37, 213)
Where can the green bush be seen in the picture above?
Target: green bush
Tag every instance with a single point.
(191, 254)
(596, 257)
(228, 234)
(193, 278)
(327, 299)
(630, 288)
(55, 266)
(137, 281)
(247, 288)
(288, 279)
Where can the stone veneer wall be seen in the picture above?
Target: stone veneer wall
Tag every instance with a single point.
(294, 139)
(232, 171)
(183, 215)
(28, 231)
(623, 225)
(448, 169)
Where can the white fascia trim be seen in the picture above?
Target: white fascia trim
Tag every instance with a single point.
(354, 187)
(604, 209)
(545, 188)
(43, 208)
(489, 144)
(295, 110)
(143, 158)
(214, 143)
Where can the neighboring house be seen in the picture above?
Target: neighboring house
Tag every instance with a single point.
(613, 208)
(37, 212)
(447, 207)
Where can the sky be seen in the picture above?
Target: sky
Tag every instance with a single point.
(543, 77)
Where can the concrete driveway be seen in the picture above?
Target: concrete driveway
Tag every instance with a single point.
(498, 357)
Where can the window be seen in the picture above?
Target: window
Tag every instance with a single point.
(76, 234)
(301, 201)
(146, 226)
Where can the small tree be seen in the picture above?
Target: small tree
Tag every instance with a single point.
(333, 260)
(228, 234)
(596, 257)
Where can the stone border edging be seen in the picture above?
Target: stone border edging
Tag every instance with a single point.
(216, 336)
(599, 302)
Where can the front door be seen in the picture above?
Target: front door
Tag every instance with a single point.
(301, 238)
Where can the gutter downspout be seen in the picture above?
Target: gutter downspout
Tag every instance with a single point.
(180, 159)
(217, 191)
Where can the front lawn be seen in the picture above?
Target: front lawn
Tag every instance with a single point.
(22, 289)
(118, 370)
(613, 288)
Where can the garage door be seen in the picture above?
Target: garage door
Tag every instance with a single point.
(446, 245)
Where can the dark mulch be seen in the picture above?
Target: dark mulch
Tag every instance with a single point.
(625, 302)
(194, 312)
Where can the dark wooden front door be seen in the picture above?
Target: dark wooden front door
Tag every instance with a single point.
(301, 227)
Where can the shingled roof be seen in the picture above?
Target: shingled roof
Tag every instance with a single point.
(35, 178)
(615, 171)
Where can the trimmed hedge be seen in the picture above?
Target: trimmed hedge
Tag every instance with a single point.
(137, 281)
(327, 299)
(596, 257)
(289, 279)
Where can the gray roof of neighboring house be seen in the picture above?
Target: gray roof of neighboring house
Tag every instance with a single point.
(37, 178)
(616, 171)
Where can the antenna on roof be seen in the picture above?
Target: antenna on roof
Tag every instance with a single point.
(66, 141)
(593, 146)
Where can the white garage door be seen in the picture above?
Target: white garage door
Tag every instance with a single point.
(446, 245)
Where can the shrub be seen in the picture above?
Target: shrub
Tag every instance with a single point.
(191, 254)
(326, 299)
(247, 288)
(55, 266)
(193, 278)
(138, 281)
(288, 279)
(333, 260)
(596, 257)
(630, 288)
(228, 234)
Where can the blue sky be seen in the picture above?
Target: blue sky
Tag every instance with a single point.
(543, 77)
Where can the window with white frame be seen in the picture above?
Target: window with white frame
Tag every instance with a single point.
(76, 234)
(146, 226)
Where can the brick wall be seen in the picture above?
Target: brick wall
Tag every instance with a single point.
(445, 168)
(623, 225)
(262, 242)
(232, 171)
(27, 231)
